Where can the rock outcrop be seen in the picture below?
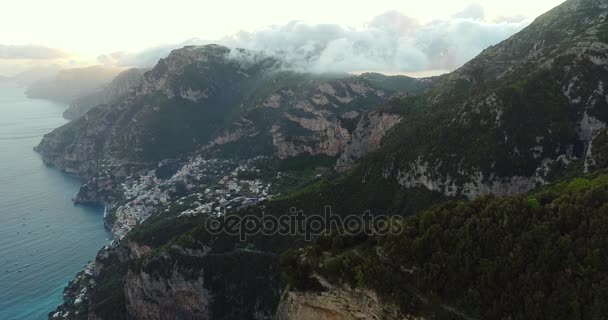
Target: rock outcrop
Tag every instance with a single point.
(334, 303)
(175, 297)
(366, 138)
(187, 284)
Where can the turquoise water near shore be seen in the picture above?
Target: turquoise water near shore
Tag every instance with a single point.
(44, 239)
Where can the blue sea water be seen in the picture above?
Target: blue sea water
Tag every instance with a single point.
(44, 239)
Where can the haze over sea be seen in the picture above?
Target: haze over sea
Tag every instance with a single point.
(44, 239)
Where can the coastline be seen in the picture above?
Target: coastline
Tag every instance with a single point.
(46, 239)
(132, 196)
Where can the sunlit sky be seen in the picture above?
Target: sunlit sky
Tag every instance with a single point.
(87, 28)
(93, 27)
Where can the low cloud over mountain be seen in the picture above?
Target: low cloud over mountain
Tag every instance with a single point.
(392, 42)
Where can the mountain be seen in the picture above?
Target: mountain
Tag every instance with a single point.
(123, 83)
(494, 175)
(69, 84)
(521, 114)
(238, 102)
(527, 112)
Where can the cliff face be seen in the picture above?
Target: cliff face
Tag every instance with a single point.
(334, 303)
(192, 284)
(76, 146)
(167, 298)
(366, 138)
(122, 84)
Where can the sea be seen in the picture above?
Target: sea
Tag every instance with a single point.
(44, 239)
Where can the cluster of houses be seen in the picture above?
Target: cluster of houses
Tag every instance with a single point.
(229, 194)
(214, 182)
(77, 292)
(143, 198)
(209, 186)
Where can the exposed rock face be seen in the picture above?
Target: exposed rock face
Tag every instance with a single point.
(188, 285)
(175, 297)
(597, 153)
(319, 120)
(328, 138)
(77, 147)
(80, 159)
(122, 84)
(366, 138)
(426, 175)
(334, 303)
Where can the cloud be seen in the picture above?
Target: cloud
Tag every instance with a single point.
(510, 19)
(473, 11)
(391, 42)
(30, 52)
(145, 58)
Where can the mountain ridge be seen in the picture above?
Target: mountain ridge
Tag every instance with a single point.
(209, 94)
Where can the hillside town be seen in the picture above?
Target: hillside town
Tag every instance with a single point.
(215, 183)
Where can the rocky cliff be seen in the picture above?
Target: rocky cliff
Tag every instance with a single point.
(193, 285)
(334, 302)
(366, 138)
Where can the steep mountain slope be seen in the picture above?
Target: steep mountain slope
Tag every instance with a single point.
(519, 115)
(239, 102)
(69, 84)
(123, 83)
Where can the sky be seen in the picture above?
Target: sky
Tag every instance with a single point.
(79, 32)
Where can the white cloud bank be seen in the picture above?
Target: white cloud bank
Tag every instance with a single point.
(391, 42)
